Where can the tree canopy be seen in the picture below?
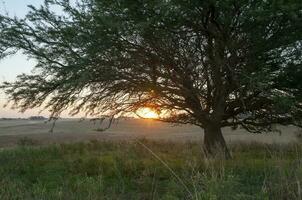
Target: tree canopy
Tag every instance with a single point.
(212, 63)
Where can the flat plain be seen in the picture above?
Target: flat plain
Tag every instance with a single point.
(75, 130)
(144, 159)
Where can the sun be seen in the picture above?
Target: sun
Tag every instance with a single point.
(147, 113)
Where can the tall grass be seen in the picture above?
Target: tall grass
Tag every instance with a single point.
(128, 170)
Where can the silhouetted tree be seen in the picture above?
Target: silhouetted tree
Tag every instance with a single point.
(214, 63)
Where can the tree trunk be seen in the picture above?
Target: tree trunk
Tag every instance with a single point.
(214, 143)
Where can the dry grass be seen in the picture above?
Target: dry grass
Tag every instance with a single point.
(12, 131)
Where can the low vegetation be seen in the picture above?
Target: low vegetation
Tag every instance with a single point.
(128, 170)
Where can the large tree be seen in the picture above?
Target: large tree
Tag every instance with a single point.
(213, 63)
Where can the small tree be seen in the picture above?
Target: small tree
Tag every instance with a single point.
(209, 63)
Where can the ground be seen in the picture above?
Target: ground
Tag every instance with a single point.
(144, 159)
(12, 131)
(128, 170)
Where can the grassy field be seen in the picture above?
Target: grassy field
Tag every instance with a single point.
(144, 169)
(12, 131)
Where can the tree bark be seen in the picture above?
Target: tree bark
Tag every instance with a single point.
(214, 142)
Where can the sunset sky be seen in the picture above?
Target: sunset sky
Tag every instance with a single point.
(17, 64)
(14, 65)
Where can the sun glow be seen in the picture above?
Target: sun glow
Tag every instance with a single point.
(147, 113)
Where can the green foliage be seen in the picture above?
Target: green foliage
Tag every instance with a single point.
(200, 61)
(125, 170)
(284, 104)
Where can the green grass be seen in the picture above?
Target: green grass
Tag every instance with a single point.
(127, 170)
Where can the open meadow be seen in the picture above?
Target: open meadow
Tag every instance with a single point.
(75, 130)
(143, 159)
(233, 68)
